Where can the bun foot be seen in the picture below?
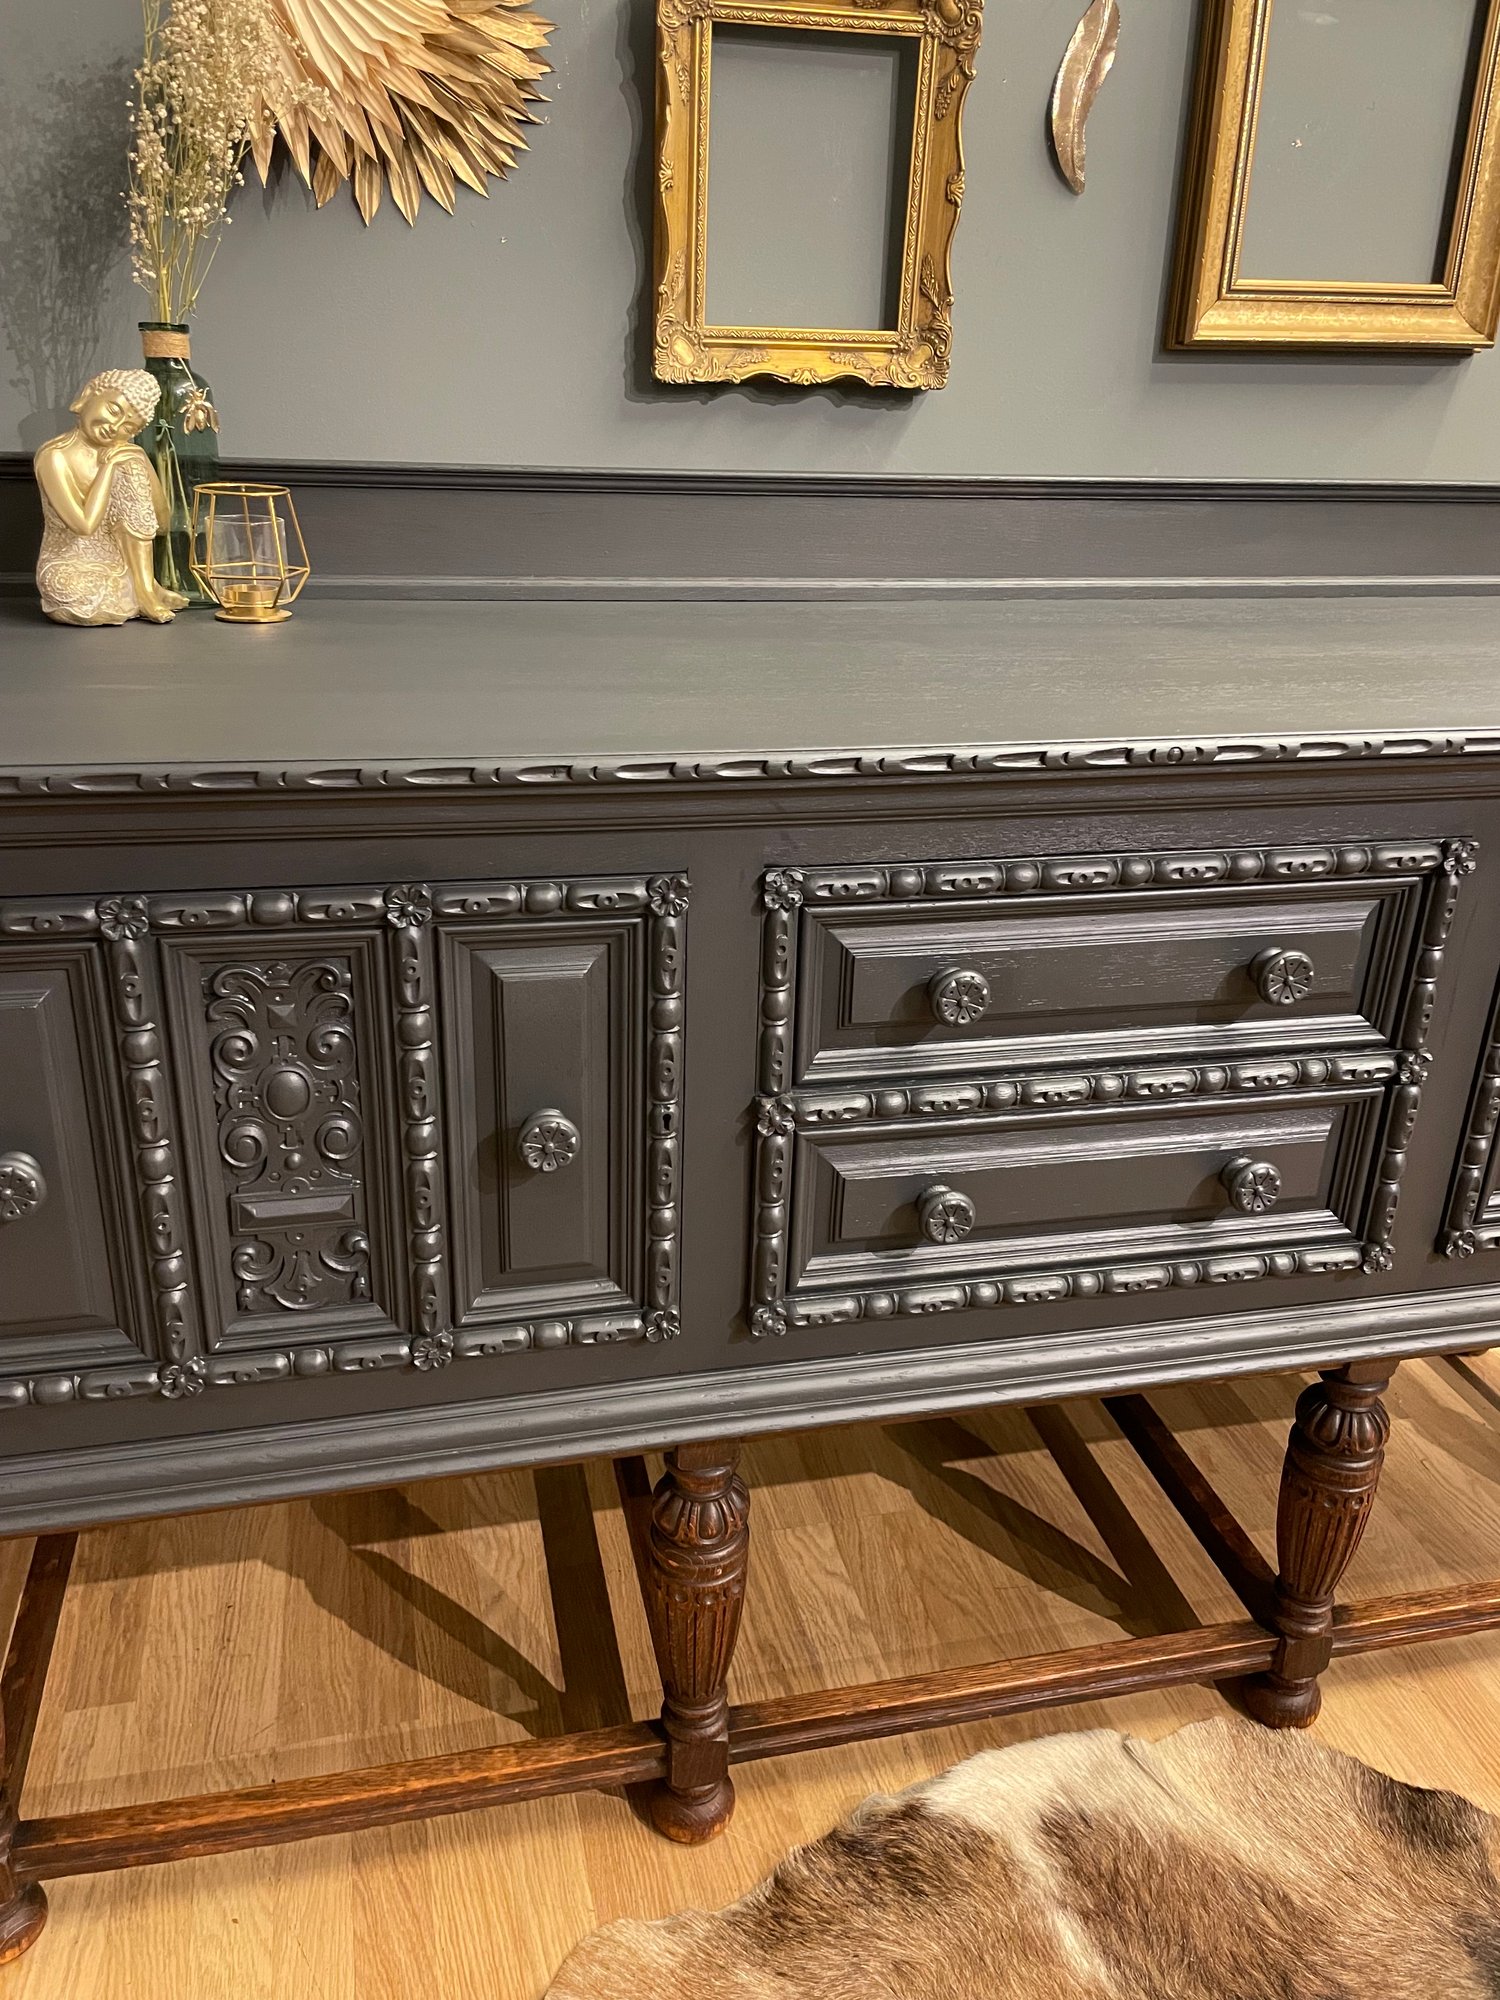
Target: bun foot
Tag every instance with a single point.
(22, 1921)
(691, 1818)
(1281, 1704)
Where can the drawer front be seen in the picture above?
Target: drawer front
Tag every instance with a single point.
(63, 1209)
(939, 969)
(1137, 1105)
(906, 1201)
(1008, 1196)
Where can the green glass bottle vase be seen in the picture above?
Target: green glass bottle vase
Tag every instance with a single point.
(182, 441)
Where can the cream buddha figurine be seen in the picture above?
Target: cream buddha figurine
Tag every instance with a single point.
(102, 508)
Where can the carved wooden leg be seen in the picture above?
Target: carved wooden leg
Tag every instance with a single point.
(693, 1579)
(1328, 1483)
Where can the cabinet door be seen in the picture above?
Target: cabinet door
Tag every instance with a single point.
(562, 1033)
(1472, 1219)
(544, 1073)
(305, 1027)
(62, 1297)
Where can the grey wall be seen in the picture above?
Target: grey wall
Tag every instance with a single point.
(1360, 110)
(513, 334)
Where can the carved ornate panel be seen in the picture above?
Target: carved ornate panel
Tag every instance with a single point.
(907, 1192)
(283, 1046)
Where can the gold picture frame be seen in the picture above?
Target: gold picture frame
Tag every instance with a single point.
(914, 354)
(1214, 306)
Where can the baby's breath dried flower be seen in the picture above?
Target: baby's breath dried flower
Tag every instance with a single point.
(198, 106)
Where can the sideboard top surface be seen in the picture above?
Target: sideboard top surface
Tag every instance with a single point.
(372, 693)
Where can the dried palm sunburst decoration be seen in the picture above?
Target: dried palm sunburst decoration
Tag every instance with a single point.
(412, 94)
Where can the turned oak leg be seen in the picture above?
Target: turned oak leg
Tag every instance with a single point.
(693, 1579)
(1328, 1483)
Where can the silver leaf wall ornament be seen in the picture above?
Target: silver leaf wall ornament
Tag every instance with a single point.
(1084, 68)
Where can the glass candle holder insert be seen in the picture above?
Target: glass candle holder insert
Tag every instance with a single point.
(248, 551)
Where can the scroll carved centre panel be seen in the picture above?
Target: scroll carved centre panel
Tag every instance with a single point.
(291, 1134)
(285, 1066)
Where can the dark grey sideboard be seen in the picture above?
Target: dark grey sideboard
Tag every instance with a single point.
(439, 1036)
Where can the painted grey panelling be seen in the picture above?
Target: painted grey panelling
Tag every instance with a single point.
(515, 333)
(1354, 146)
(415, 531)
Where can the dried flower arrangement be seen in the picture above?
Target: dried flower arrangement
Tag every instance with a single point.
(198, 91)
(201, 100)
(416, 95)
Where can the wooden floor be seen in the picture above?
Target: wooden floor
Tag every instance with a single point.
(234, 1649)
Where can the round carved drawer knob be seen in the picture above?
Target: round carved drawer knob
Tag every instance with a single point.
(958, 996)
(1282, 978)
(945, 1215)
(22, 1187)
(548, 1142)
(1253, 1185)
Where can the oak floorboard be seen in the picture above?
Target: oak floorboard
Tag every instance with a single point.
(236, 1649)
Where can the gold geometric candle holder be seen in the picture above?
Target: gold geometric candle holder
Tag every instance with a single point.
(248, 551)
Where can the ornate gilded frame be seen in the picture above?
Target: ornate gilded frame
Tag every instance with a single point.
(914, 353)
(1213, 305)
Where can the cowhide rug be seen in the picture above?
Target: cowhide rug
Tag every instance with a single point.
(1225, 1863)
